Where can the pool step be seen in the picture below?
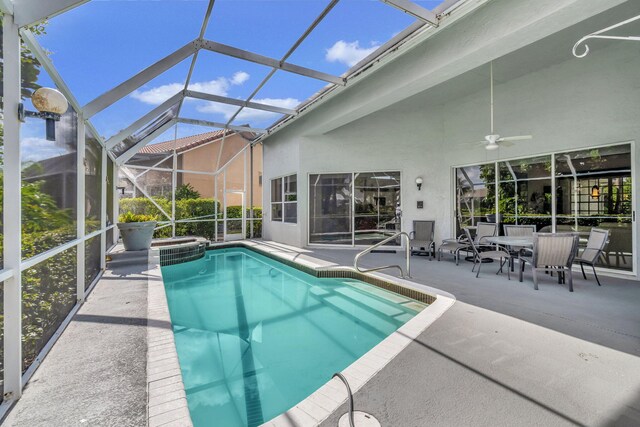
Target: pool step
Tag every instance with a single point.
(124, 258)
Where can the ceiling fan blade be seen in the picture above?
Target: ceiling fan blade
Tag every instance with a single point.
(475, 142)
(515, 138)
(506, 143)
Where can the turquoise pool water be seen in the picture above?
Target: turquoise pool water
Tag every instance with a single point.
(255, 337)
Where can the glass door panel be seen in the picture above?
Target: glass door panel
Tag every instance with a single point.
(330, 210)
(594, 189)
(376, 197)
(475, 195)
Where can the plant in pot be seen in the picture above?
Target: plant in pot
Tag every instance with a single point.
(136, 230)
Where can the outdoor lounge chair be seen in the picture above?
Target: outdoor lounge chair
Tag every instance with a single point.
(517, 231)
(551, 251)
(483, 251)
(462, 243)
(454, 246)
(593, 251)
(422, 237)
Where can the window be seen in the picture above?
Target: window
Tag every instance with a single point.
(355, 208)
(284, 199)
(568, 191)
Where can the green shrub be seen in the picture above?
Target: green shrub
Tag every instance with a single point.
(48, 289)
(144, 206)
(131, 217)
(201, 210)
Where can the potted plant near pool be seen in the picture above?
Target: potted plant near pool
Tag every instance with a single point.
(136, 230)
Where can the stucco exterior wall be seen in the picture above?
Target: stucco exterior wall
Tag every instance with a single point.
(569, 104)
(205, 159)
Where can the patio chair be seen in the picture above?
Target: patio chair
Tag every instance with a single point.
(454, 246)
(517, 231)
(590, 255)
(462, 243)
(485, 251)
(551, 251)
(422, 237)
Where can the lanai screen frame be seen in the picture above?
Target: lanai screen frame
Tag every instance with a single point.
(18, 16)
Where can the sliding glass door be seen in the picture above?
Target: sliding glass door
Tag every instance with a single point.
(564, 191)
(525, 192)
(353, 208)
(594, 190)
(330, 209)
(475, 195)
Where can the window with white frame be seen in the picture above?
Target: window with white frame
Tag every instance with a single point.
(284, 199)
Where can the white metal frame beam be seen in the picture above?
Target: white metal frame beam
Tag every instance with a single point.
(239, 102)
(269, 62)
(414, 10)
(122, 158)
(203, 30)
(125, 171)
(286, 56)
(32, 43)
(123, 89)
(12, 217)
(220, 125)
(129, 130)
(29, 12)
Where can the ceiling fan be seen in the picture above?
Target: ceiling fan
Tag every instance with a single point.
(493, 140)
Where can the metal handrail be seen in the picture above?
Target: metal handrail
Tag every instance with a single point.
(403, 274)
(346, 383)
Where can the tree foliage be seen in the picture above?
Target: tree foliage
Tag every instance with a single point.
(30, 66)
(186, 191)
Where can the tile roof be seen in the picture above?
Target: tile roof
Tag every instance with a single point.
(183, 144)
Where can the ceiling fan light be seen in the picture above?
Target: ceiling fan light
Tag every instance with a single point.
(492, 146)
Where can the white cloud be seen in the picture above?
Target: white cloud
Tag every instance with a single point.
(219, 86)
(239, 78)
(157, 95)
(35, 149)
(349, 53)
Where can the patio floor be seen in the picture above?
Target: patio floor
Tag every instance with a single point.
(505, 354)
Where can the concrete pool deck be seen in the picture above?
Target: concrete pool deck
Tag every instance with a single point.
(95, 374)
(503, 354)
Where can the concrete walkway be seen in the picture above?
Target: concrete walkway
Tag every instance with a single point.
(95, 375)
(505, 354)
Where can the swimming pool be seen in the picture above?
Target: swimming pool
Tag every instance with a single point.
(254, 337)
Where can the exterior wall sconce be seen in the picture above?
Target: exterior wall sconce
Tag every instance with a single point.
(419, 182)
(595, 192)
(51, 104)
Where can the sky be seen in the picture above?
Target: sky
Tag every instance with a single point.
(102, 43)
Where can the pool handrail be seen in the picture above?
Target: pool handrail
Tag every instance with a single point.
(403, 274)
(346, 383)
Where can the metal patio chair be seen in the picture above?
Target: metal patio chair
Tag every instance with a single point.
(463, 242)
(517, 231)
(454, 246)
(551, 252)
(422, 237)
(590, 255)
(484, 251)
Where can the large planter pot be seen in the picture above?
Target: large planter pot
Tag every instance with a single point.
(136, 236)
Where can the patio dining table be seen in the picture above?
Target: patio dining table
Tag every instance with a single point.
(519, 241)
